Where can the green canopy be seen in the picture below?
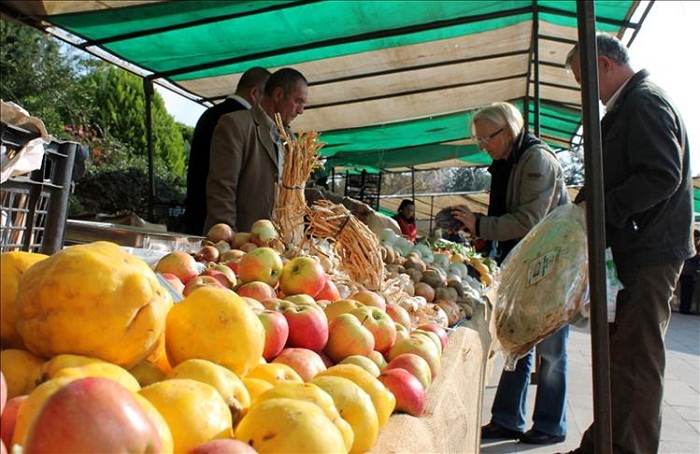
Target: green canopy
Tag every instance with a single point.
(393, 84)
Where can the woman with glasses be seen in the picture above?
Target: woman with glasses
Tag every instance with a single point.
(527, 182)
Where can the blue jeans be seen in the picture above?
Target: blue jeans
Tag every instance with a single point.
(510, 404)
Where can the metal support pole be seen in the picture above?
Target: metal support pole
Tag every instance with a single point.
(148, 90)
(413, 184)
(536, 58)
(595, 220)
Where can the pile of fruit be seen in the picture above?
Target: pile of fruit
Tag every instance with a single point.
(253, 345)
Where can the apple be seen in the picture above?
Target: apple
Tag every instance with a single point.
(329, 291)
(276, 304)
(408, 391)
(92, 414)
(437, 329)
(207, 254)
(308, 327)
(219, 232)
(307, 363)
(201, 281)
(261, 264)
(174, 282)
(369, 298)
(416, 365)
(254, 304)
(247, 247)
(323, 304)
(399, 315)
(431, 335)
(262, 232)
(3, 392)
(9, 418)
(257, 290)
(221, 273)
(378, 359)
(300, 299)
(278, 245)
(422, 346)
(223, 446)
(342, 306)
(276, 332)
(239, 239)
(378, 322)
(179, 263)
(364, 362)
(302, 275)
(231, 259)
(425, 290)
(401, 332)
(346, 337)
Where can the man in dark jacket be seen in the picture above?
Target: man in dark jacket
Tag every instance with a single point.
(648, 226)
(248, 92)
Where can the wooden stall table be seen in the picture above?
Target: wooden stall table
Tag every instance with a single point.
(452, 419)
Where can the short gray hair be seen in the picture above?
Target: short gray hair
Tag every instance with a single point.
(502, 114)
(608, 45)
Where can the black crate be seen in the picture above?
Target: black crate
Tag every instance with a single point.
(34, 207)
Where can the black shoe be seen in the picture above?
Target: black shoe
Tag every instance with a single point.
(492, 431)
(535, 437)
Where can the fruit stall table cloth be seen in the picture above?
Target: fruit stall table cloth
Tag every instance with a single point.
(452, 418)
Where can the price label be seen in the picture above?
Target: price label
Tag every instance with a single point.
(541, 267)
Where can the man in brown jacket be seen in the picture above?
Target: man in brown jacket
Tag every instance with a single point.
(247, 154)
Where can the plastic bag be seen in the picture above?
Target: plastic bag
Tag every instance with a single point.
(543, 282)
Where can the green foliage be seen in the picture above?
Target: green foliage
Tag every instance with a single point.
(468, 179)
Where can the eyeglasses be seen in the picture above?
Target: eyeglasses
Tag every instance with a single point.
(486, 139)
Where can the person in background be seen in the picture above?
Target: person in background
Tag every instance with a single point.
(648, 225)
(406, 219)
(248, 92)
(247, 154)
(689, 277)
(527, 182)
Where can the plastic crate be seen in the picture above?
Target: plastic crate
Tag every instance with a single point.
(34, 207)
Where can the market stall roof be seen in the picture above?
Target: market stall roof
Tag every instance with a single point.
(393, 84)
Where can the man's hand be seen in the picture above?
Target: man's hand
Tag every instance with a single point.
(464, 215)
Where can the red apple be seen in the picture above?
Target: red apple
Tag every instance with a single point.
(378, 359)
(346, 337)
(179, 263)
(308, 327)
(369, 298)
(416, 365)
(261, 264)
(300, 299)
(201, 281)
(329, 291)
(302, 275)
(9, 418)
(307, 363)
(257, 290)
(92, 414)
(174, 282)
(364, 362)
(401, 332)
(431, 335)
(399, 315)
(256, 305)
(262, 232)
(422, 346)
(221, 273)
(239, 239)
(276, 304)
(219, 232)
(437, 329)
(342, 306)
(223, 446)
(207, 254)
(247, 247)
(382, 327)
(410, 395)
(276, 332)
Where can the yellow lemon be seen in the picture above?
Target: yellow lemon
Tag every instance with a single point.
(12, 265)
(227, 383)
(22, 371)
(383, 400)
(355, 406)
(217, 325)
(315, 395)
(195, 411)
(289, 425)
(92, 299)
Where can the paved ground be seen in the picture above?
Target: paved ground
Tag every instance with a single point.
(681, 410)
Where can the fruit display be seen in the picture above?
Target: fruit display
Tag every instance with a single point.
(248, 344)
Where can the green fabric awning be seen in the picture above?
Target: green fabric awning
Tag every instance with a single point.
(393, 84)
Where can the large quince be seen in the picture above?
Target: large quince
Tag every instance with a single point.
(22, 371)
(217, 325)
(289, 425)
(94, 299)
(12, 265)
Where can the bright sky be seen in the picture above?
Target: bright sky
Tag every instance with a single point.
(663, 46)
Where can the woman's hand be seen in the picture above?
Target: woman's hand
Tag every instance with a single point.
(464, 215)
